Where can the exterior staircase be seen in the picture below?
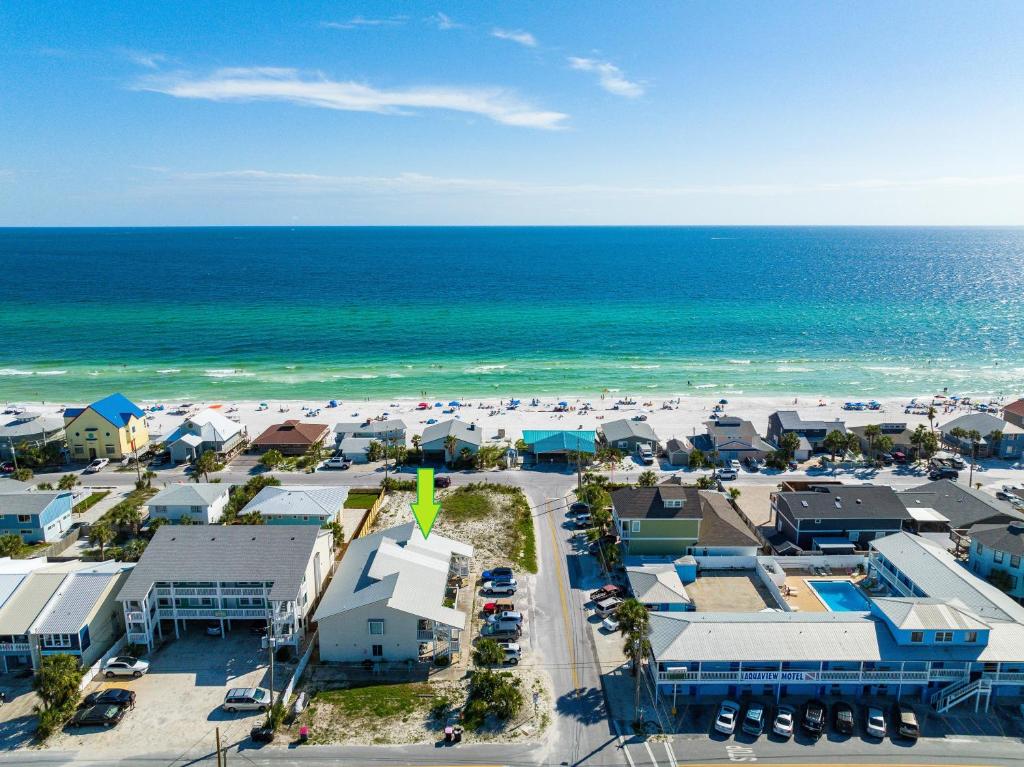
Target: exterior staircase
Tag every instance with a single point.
(943, 700)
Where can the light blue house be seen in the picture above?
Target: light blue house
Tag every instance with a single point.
(36, 516)
(298, 505)
(999, 548)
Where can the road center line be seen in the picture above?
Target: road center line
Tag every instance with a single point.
(565, 602)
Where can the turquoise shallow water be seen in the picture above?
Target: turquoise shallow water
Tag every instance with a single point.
(381, 312)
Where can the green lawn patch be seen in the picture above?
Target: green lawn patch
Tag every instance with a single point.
(360, 500)
(91, 500)
(466, 503)
(380, 701)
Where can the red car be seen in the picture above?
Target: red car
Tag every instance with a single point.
(490, 608)
(6, 467)
(605, 592)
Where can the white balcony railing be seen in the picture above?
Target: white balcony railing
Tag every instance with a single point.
(243, 592)
(136, 616)
(14, 647)
(812, 677)
(137, 638)
(211, 613)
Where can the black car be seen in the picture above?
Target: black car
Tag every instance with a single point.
(943, 473)
(579, 508)
(115, 696)
(105, 714)
(842, 718)
(886, 458)
(813, 720)
(440, 481)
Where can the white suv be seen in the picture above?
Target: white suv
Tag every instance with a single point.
(125, 665)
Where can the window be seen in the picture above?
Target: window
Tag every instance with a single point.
(997, 557)
(916, 636)
(978, 547)
(634, 526)
(79, 448)
(57, 640)
(376, 627)
(24, 518)
(110, 449)
(378, 651)
(817, 521)
(1014, 561)
(196, 509)
(675, 503)
(943, 636)
(971, 636)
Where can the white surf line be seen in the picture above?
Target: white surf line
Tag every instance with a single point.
(622, 743)
(650, 753)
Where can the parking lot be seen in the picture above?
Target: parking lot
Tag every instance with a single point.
(179, 700)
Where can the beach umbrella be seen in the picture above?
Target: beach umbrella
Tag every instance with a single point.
(333, 403)
(563, 403)
(454, 403)
(723, 402)
(438, 404)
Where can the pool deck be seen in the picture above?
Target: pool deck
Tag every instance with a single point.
(805, 599)
(729, 591)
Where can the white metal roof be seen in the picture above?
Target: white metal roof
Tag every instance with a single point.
(189, 494)
(312, 500)
(926, 515)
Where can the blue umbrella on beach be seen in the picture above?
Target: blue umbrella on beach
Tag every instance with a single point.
(438, 404)
(563, 403)
(723, 402)
(454, 403)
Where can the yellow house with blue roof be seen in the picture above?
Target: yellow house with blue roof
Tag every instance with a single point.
(113, 427)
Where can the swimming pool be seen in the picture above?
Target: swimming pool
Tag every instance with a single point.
(840, 596)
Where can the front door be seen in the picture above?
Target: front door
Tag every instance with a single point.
(92, 453)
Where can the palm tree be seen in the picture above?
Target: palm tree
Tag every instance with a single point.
(917, 440)
(647, 479)
(68, 481)
(450, 443)
(960, 435)
(635, 623)
(734, 493)
(871, 432)
(101, 533)
(203, 465)
(835, 441)
(931, 417)
(975, 437)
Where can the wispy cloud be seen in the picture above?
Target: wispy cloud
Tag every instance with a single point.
(290, 85)
(443, 21)
(515, 35)
(357, 22)
(609, 76)
(145, 58)
(263, 181)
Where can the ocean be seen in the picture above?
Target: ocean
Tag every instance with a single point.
(296, 313)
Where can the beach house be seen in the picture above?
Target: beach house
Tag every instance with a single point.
(735, 439)
(391, 431)
(32, 430)
(113, 427)
(962, 507)
(200, 502)
(559, 446)
(999, 438)
(437, 446)
(298, 504)
(674, 520)
(1014, 413)
(929, 632)
(811, 433)
(206, 430)
(995, 554)
(898, 431)
(393, 593)
(626, 435)
(251, 573)
(35, 515)
(835, 518)
(291, 437)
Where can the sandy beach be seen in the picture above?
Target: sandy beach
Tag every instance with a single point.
(675, 417)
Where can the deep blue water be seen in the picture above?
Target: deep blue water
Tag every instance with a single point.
(302, 312)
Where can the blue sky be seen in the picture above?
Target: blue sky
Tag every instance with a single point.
(511, 113)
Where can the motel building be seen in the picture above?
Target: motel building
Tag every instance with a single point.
(932, 633)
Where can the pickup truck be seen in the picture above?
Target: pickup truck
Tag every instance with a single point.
(499, 606)
(606, 591)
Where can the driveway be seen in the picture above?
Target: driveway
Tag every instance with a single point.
(178, 701)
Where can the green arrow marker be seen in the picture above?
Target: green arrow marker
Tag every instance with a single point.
(425, 509)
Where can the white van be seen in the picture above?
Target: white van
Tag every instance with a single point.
(247, 699)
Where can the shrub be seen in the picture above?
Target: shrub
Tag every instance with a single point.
(22, 474)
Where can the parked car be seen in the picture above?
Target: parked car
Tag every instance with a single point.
(610, 624)
(512, 652)
(125, 665)
(645, 454)
(498, 574)
(498, 606)
(213, 629)
(957, 462)
(753, 721)
(6, 467)
(944, 473)
(842, 718)
(735, 465)
(500, 587)
(96, 465)
(512, 616)
(579, 508)
(813, 720)
(442, 481)
(337, 462)
(886, 458)
(497, 632)
(726, 475)
(246, 699)
(905, 721)
(899, 457)
(608, 590)
(725, 722)
(607, 606)
(106, 715)
(113, 696)
(752, 465)
(583, 520)
(874, 722)
(785, 718)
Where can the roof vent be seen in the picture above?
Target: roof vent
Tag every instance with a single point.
(1016, 526)
(858, 500)
(805, 504)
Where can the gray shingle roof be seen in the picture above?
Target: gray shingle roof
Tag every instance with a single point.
(199, 553)
(649, 502)
(1008, 538)
(298, 499)
(843, 502)
(721, 525)
(984, 423)
(963, 506)
(189, 494)
(462, 430)
(394, 426)
(790, 420)
(625, 428)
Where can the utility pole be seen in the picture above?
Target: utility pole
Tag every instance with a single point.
(138, 468)
(220, 763)
(14, 453)
(270, 649)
